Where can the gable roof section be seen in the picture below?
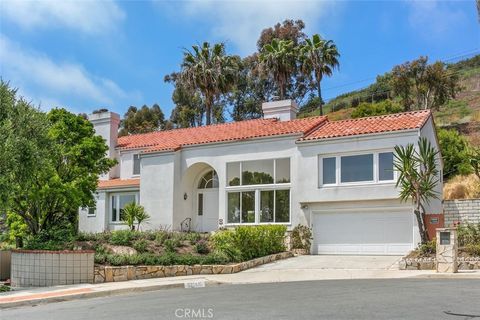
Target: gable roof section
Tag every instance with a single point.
(172, 140)
(369, 125)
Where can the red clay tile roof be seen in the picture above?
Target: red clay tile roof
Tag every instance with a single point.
(172, 140)
(392, 122)
(118, 183)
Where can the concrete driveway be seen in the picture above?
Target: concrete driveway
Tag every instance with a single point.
(325, 262)
(324, 267)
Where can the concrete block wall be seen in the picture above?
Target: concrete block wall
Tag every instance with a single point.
(41, 268)
(463, 211)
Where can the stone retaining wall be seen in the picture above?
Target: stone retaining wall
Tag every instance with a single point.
(124, 273)
(41, 268)
(467, 210)
(429, 263)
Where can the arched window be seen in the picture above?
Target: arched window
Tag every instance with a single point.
(209, 180)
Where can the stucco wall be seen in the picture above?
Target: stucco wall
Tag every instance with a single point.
(41, 268)
(463, 211)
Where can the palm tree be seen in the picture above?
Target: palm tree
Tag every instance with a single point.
(278, 58)
(320, 57)
(134, 212)
(418, 178)
(210, 71)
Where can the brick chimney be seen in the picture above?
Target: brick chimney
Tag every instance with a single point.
(106, 125)
(283, 110)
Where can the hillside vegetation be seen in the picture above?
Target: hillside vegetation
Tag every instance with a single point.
(461, 113)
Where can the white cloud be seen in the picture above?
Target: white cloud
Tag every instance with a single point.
(433, 19)
(45, 81)
(91, 17)
(242, 21)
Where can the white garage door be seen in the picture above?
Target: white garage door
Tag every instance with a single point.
(363, 232)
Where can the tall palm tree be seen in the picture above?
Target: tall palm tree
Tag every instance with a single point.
(209, 70)
(320, 57)
(278, 58)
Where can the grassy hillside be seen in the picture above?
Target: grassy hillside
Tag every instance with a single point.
(462, 113)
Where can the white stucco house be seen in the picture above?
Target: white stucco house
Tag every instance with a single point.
(335, 176)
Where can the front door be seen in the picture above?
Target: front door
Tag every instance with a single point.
(207, 210)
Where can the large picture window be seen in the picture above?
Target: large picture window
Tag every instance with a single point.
(257, 191)
(258, 172)
(118, 202)
(273, 206)
(359, 168)
(356, 168)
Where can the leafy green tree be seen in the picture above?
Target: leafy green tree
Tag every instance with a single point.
(278, 60)
(297, 83)
(319, 58)
(422, 85)
(366, 109)
(50, 167)
(209, 70)
(418, 178)
(142, 120)
(455, 153)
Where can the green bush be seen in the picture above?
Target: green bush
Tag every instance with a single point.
(249, 242)
(473, 249)
(171, 244)
(166, 259)
(201, 247)
(160, 237)
(428, 248)
(4, 288)
(224, 243)
(140, 245)
(301, 237)
(468, 234)
(122, 237)
(366, 109)
(52, 239)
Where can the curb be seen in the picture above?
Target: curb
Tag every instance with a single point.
(99, 294)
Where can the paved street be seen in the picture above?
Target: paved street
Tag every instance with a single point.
(336, 299)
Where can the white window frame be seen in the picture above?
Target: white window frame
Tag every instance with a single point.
(257, 188)
(133, 165)
(338, 169)
(91, 215)
(117, 200)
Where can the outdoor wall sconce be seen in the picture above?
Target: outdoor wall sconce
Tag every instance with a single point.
(304, 206)
(185, 196)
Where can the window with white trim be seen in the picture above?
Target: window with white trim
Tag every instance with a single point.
(258, 191)
(118, 201)
(356, 168)
(136, 164)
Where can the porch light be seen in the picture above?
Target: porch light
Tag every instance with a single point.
(185, 196)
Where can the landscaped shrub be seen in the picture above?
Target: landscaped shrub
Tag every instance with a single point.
(160, 237)
(428, 248)
(140, 245)
(51, 239)
(249, 242)
(473, 249)
(202, 247)
(166, 259)
(224, 243)
(171, 244)
(301, 237)
(468, 234)
(122, 237)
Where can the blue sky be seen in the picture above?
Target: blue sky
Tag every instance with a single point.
(89, 54)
